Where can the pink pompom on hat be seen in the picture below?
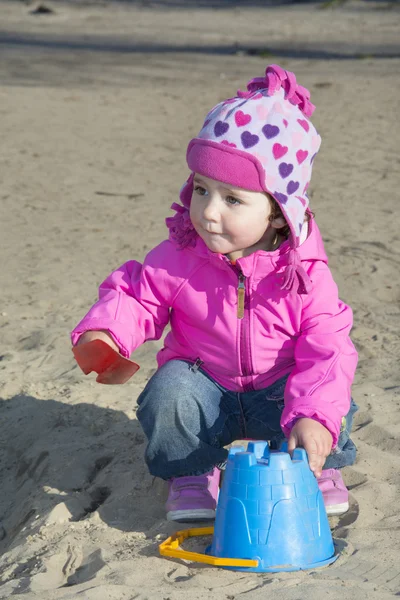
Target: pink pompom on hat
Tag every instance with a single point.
(260, 140)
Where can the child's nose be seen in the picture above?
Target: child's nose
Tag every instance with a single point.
(211, 210)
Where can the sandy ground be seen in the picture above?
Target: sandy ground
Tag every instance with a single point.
(97, 104)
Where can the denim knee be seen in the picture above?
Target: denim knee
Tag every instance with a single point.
(345, 452)
(165, 400)
(179, 411)
(347, 426)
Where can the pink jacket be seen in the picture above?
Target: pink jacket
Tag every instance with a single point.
(196, 291)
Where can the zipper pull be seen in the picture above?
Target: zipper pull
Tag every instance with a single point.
(241, 293)
(196, 366)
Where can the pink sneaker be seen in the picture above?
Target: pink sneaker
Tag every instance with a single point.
(193, 498)
(334, 492)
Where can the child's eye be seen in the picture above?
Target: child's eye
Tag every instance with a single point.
(232, 200)
(200, 190)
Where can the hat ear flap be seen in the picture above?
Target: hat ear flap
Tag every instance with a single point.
(187, 191)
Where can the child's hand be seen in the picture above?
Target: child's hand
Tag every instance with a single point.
(89, 336)
(315, 439)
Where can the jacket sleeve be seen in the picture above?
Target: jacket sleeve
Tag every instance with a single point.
(133, 303)
(319, 387)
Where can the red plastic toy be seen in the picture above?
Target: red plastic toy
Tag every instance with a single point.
(111, 367)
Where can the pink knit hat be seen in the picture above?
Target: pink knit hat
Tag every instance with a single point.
(260, 140)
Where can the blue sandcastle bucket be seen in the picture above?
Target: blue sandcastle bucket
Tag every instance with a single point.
(271, 509)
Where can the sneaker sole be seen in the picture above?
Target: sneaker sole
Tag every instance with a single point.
(199, 514)
(337, 509)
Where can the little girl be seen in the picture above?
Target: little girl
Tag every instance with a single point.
(259, 342)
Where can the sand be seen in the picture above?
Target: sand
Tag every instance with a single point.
(97, 104)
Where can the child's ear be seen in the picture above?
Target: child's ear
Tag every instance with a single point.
(278, 222)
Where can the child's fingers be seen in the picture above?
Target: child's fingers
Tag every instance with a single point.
(104, 336)
(292, 443)
(316, 467)
(315, 463)
(311, 447)
(316, 458)
(315, 439)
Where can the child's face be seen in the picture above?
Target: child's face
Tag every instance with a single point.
(229, 219)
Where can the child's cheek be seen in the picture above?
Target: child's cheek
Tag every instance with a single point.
(193, 212)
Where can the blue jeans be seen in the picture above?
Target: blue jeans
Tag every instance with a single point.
(188, 418)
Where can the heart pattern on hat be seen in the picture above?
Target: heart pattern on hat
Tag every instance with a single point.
(292, 187)
(301, 156)
(305, 125)
(270, 131)
(281, 198)
(277, 137)
(315, 143)
(248, 139)
(302, 200)
(285, 169)
(278, 151)
(297, 138)
(262, 111)
(220, 128)
(241, 119)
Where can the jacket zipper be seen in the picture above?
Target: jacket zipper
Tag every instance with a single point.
(241, 293)
(243, 313)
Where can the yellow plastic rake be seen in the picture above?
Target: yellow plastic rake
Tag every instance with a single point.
(171, 547)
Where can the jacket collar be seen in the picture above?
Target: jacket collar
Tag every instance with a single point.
(261, 263)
